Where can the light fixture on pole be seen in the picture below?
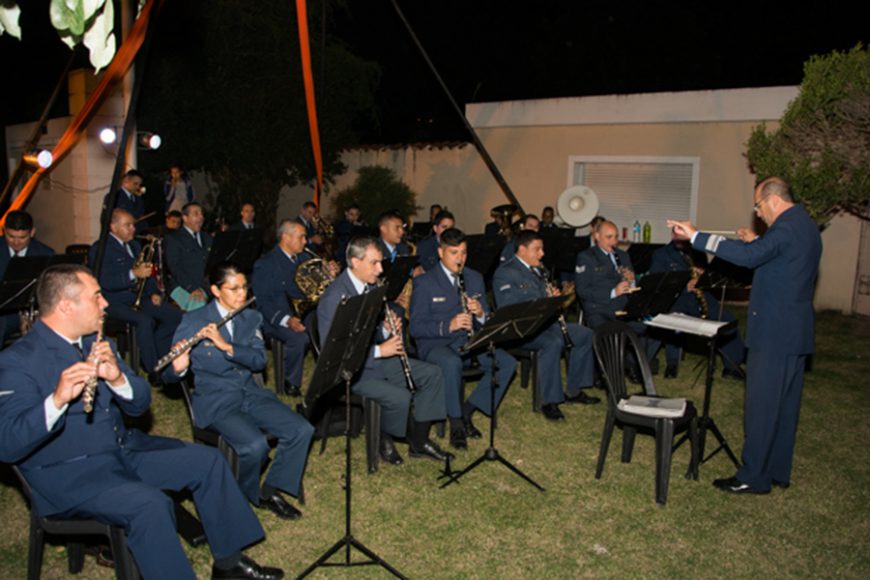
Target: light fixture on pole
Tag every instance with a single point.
(149, 140)
(108, 135)
(38, 158)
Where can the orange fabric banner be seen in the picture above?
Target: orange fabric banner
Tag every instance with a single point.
(114, 73)
(308, 79)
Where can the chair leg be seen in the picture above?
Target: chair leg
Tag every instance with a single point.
(524, 372)
(135, 357)
(694, 439)
(75, 552)
(323, 429)
(440, 428)
(231, 456)
(372, 412)
(278, 359)
(605, 443)
(34, 549)
(125, 565)
(628, 434)
(664, 440)
(536, 383)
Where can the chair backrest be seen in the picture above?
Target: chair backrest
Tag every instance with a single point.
(611, 341)
(25, 487)
(187, 390)
(310, 323)
(78, 249)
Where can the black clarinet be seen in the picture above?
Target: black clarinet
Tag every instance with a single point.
(403, 356)
(563, 325)
(463, 300)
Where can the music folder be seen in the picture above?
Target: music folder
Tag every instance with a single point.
(19, 281)
(657, 294)
(397, 273)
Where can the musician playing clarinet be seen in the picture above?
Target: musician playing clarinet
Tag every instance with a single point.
(441, 322)
(521, 279)
(383, 376)
(228, 400)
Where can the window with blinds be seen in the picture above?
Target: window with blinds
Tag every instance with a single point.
(649, 189)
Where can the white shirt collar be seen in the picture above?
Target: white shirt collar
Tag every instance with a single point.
(221, 310)
(21, 253)
(450, 275)
(358, 284)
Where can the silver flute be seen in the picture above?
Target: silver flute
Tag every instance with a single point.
(90, 390)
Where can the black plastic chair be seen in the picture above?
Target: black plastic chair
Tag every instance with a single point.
(125, 565)
(611, 341)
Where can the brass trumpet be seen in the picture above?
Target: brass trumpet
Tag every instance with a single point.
(146, 256)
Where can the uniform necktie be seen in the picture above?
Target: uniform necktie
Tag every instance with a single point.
(79, 350)
(129, 250)
(198, 240)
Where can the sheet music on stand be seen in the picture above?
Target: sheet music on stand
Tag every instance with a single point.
(689, 324)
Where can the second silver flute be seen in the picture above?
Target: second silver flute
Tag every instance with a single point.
(188, 343)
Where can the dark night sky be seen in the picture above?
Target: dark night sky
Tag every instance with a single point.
(488, 50)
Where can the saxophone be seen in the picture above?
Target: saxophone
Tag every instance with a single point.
(90, 390)
(696, 274)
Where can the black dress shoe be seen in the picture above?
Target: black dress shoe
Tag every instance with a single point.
(734, 485)
(471, 431)
(457, 437)
(279, 506)
(430, 450)
(779, 484)
(291, 390)
(671, 372)
(388, 452)
(734, 374)
(582, 398)
(551, 411)
(248, 569)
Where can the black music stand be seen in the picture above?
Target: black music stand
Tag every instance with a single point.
(641, 256)
(241, 247)
(705, 421)
(483, 253)
(508, 324)
(343, 354)
(657, 294)
(17, 286)
(561, 246)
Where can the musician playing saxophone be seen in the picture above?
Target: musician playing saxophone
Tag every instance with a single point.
(441, 320)
(155, 322)
(678, 256)
(382, 377)
(228, 400)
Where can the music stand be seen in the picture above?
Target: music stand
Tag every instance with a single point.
(483, 253)
(344, 353)
(396, 274)
(710, 329)
(657, 294)
(241, 247)
(641, 256)
(511, 323)
(561, 247)
(16, 288)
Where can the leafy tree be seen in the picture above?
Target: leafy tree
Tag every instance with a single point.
(376, 190)
(822, 146)
(224, 88)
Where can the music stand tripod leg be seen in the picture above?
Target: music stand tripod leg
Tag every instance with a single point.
(491, 454)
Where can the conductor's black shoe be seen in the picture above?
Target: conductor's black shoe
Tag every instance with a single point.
(552, 412)
(733, 373)
(734, 485)
(389, 453)
(779, 484)
(582, 398)
(248, 569)
(471, 431)
(279, 506)
(671, 371)
(429, 450)
(457, 437)
(291, 390)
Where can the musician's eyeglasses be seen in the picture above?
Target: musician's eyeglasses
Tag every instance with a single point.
(235, 288)
(757, 204)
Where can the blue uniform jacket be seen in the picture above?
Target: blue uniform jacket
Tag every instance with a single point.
(134, 206)
(786, 261)
(434, 303)
(221, 381)
(273, 282)
(81, 455)
(670, 259)
(186, 260)
(114, 277)
(513, 283)
(427, 249)
(595, 277)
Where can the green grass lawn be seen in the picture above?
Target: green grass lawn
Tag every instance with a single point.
(493, 524)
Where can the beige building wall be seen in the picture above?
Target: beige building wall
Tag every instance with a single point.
(533, 141)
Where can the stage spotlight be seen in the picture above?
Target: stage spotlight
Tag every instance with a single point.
(150, 140)
(108, 135)
(38, 158)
